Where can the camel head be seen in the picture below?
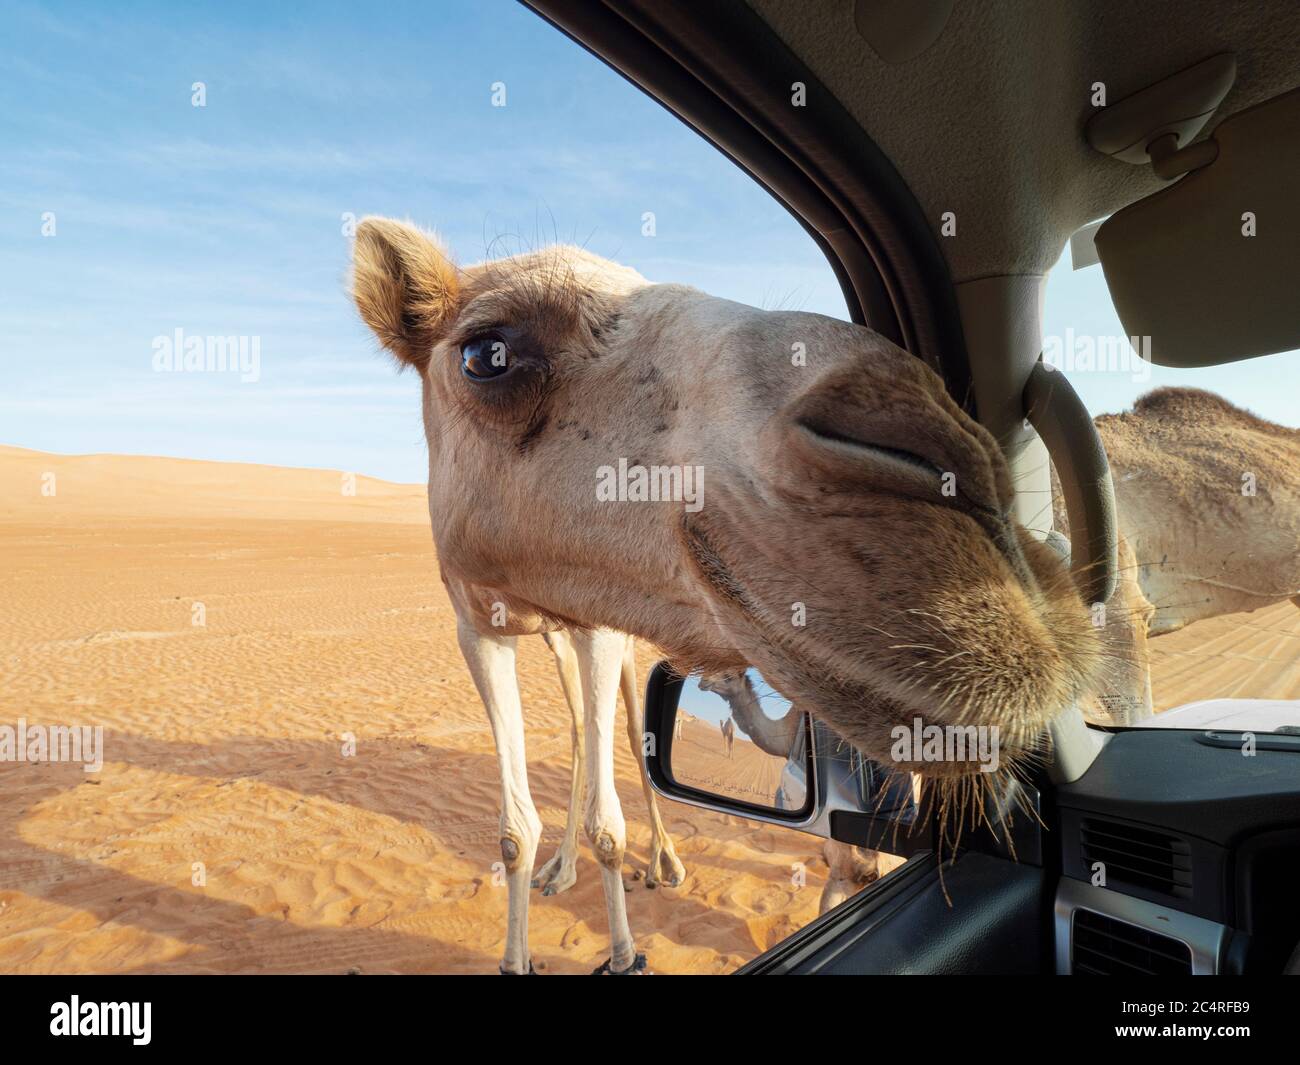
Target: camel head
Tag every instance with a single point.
(834, 518)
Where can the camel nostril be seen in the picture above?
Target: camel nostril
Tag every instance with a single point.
(905, 472)
(836, 438)
(895, 470)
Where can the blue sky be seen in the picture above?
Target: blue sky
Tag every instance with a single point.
(228, 219)
(714, 709)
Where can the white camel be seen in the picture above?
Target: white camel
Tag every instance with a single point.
(560, 872)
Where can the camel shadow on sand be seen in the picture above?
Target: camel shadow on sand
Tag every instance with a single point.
(233, 936)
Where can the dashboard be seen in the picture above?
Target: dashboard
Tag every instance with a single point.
(1179, 853)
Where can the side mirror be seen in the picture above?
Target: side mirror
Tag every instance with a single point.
(735, 745)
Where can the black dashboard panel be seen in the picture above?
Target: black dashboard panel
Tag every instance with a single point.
(1232, 821)
(1170, 779)
(1202, 847)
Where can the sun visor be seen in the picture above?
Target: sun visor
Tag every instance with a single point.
(1209, 268)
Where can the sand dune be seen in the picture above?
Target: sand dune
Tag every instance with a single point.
(229, 830)
(127, 486)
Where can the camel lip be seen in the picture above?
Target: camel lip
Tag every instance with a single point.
(840, 696)
(837, 700)
(710, 564)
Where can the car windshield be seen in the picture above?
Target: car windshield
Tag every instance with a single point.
(1204, 630)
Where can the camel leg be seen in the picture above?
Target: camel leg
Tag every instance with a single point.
(1125, 688)
(561, 872)
(664, 865)
(491, 661)
(850, 868)
(600, 661)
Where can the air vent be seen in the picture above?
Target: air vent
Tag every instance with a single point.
(1139, 857)
(1103, 946)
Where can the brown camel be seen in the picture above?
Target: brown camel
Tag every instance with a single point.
(1208, 497)
(845, 481)
(1209, 518)
(774, 736)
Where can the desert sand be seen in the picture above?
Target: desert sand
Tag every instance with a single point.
(700, 760)
(224, 745)
(231, 829)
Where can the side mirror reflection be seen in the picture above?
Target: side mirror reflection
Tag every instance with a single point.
(734, 744)
(736, 738)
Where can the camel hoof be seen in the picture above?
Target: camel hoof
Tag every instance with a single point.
(506, 972)
(559, 874)
(835, 892)
(671, 872)
(637, 968)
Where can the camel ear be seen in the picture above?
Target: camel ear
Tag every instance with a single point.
(405, 286)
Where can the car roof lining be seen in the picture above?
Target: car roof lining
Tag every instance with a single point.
(987, 122)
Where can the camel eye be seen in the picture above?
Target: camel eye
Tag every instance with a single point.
(485, 357)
